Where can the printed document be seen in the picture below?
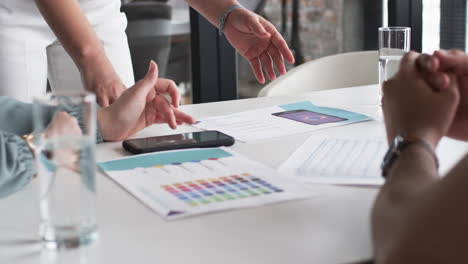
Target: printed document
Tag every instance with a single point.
(279, 121)
(190, 182)
(337, 161)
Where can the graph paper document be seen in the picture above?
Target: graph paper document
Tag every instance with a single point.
(337, 161)
(189, 182)
(277, 121)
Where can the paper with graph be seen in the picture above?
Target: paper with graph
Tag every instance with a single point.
(337, 161)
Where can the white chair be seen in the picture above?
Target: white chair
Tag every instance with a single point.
(337, 71)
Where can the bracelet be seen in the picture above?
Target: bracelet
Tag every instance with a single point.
(29, 139)
(223, 18)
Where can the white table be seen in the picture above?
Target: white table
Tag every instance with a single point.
(331, 227)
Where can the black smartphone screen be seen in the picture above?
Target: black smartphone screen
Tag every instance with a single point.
(178, 141)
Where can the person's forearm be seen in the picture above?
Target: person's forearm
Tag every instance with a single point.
(212, 10)
(73, 30)
(413, 171)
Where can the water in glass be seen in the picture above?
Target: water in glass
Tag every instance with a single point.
(67, 191)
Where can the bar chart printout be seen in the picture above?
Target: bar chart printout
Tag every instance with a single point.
(189, 182)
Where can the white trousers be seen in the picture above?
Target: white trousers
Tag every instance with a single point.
(30, 52)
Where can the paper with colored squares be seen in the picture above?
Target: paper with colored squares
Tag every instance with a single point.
(189, 182)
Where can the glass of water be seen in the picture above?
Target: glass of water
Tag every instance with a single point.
(66, 168)
(394, 42)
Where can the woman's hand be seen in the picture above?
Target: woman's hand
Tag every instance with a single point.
(413, 109)
(435, 70)
(62, 124)
(258, 41)
(141, 106)
(100, 77)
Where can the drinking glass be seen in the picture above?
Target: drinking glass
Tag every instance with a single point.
(394, 42)
(66, 170)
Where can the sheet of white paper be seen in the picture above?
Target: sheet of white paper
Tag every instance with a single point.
(262, 124)
(189, 182)
(337, 161)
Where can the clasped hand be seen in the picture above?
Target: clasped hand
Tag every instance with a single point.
(427, 98)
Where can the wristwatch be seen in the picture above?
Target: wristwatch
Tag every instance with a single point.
(399, 144)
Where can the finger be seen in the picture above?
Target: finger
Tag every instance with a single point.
(183, 117)
(408, 61)
(169, 87)
(427, 66)
(278, 59)
(103, 101)
(438, 81)
(453, 60)
(257, 27)
(428, 63)
(257, 69)
(151, 77)
(112, 99)
(387, 88)
(267, 64)
(167, 111)
(279, 42)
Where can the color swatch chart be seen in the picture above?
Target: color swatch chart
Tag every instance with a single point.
(216, 190)
(190, 182)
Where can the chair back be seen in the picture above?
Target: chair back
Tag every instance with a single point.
(337, 71)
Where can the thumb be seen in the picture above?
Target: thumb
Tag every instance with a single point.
(151, 77)
(257, 28)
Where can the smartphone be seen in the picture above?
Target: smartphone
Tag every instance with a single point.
(203, 139)
(309, 117)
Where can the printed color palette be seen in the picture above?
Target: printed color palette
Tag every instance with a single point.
(217, 190)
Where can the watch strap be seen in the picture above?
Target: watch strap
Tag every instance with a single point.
(399, 144)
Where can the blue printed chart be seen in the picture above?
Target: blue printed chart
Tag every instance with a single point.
(189, 182)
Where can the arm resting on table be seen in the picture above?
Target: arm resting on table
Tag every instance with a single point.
(419, 217)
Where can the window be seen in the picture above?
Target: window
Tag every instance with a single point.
(431, 26)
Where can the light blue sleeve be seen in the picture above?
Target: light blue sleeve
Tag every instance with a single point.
(16, 163)
(16, 160)
(15, 116)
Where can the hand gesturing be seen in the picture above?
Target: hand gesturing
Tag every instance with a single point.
(258, 41)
